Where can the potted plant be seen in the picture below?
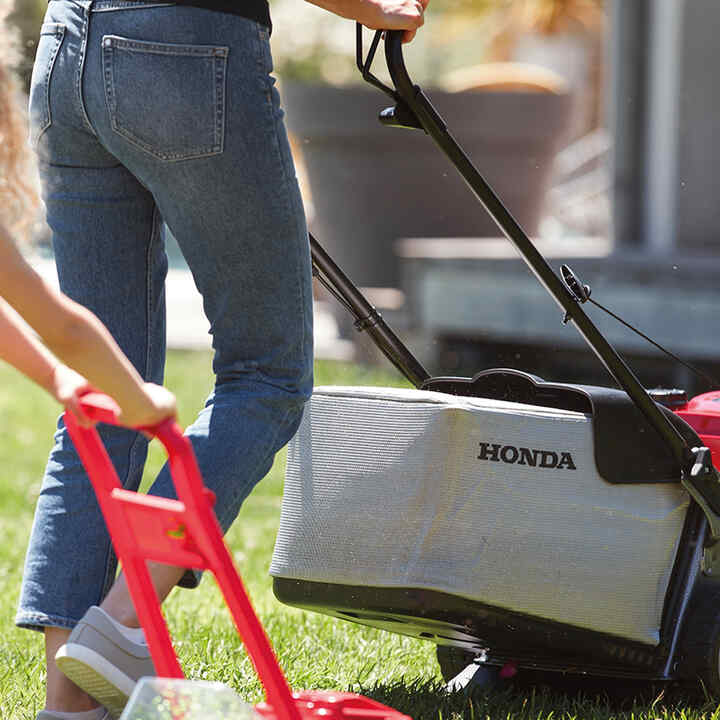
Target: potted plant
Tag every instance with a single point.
(371, 185)
(564, 35)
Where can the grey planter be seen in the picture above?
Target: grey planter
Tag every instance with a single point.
(372, 185)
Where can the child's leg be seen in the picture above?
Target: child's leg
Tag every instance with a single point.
(62, 694)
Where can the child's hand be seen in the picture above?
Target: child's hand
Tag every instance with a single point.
(157, 404)
(67, 388)
(151, 405)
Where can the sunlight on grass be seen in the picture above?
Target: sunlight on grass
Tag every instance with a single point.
(317, 652)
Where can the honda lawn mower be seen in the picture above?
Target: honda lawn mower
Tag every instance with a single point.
(511, 521)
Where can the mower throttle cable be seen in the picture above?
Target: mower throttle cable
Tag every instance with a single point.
(581, 293)
(331, 289)
(361, 323)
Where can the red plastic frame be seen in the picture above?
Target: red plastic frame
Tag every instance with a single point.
(185, 533)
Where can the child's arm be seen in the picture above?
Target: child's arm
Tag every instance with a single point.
(75, 336)
(23, 350)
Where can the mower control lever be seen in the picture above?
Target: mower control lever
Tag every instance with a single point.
(400, 116)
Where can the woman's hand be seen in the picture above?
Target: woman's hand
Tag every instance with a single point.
(407, 15)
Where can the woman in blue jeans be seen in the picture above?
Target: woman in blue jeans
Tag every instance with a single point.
(143, 113)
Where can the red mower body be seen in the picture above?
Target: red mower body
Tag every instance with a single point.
(702, 413)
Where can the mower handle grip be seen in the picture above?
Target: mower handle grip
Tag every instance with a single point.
(412, 109)
(403, 87)
(396, 64)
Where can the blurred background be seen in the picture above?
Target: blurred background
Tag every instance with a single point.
(594, 121)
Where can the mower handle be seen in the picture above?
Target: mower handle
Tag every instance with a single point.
(413, 109)
(393, 57)
(100, 408)
(396, 63)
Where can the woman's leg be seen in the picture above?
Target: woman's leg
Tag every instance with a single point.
(232, 201)
(70, 563)
(217, 161)
(118, 603)
(110, 257)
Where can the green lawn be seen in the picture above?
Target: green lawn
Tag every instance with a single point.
(316, 652)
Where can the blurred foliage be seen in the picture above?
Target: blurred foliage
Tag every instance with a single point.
(312, 44)
(27, 17)
(546, 16)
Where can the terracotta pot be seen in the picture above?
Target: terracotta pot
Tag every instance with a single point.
(372, 185)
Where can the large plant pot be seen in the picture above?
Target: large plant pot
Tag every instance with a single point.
(372, 185)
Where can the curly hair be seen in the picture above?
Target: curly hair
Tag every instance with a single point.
(18, 200)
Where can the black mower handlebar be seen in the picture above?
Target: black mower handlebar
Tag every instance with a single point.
(396, 63)
(413, 109)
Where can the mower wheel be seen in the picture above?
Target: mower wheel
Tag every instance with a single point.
(452, 660)
(700, 640)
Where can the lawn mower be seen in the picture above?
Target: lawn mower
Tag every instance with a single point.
(514, 522)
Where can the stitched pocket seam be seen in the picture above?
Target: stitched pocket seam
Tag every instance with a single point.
(58, 30)
(218, 56)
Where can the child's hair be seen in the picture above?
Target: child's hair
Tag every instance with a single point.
(18, 200)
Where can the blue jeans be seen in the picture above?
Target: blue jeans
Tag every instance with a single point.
(145, 113)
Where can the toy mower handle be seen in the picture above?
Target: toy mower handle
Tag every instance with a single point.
(184, 534)
(101, 408)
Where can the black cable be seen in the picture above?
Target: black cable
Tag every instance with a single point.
(708, 378)
(331, 289)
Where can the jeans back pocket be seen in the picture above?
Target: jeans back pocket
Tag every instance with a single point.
(40, 117)
(167, 99)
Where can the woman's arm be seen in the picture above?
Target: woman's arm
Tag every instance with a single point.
(75, 336)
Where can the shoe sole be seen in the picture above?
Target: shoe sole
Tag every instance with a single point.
(96, 676)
